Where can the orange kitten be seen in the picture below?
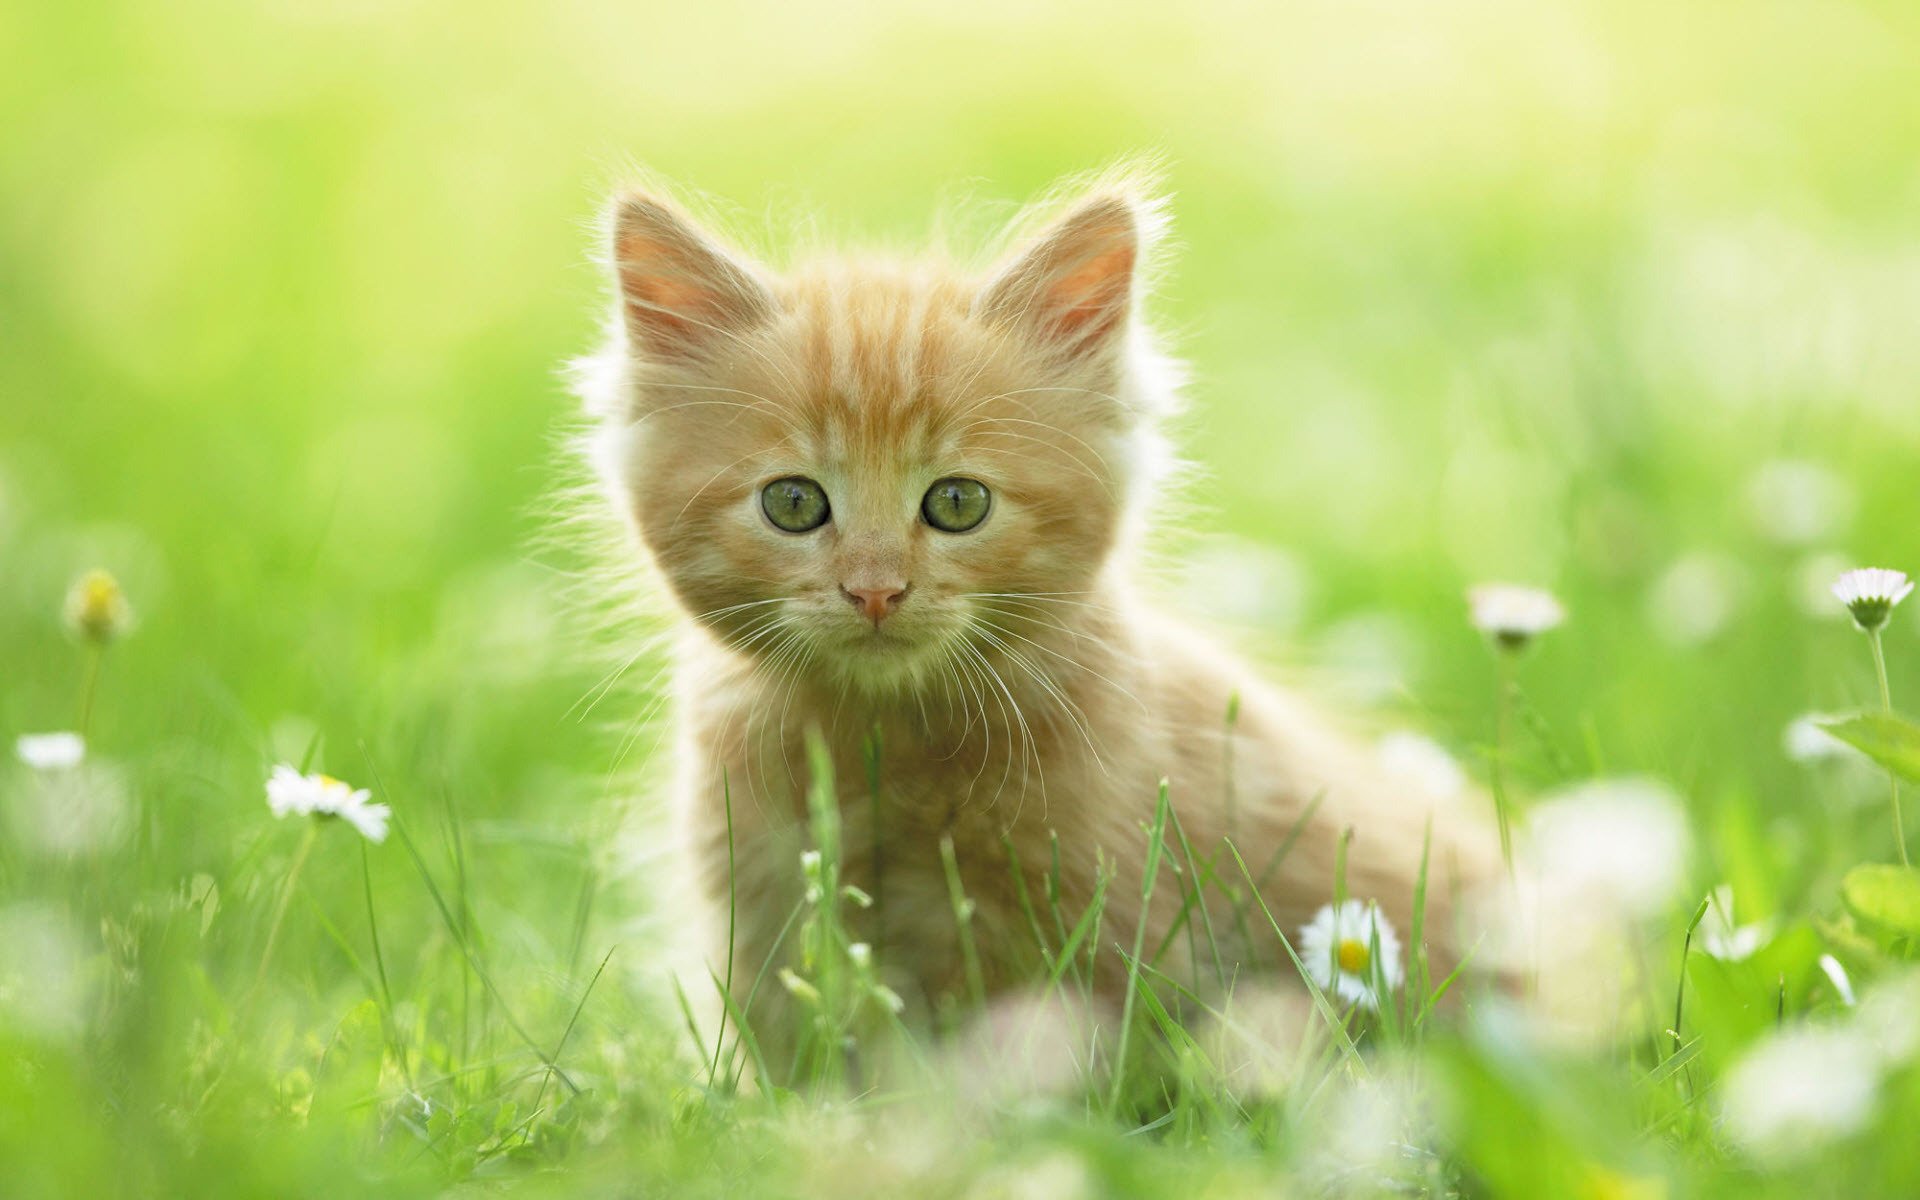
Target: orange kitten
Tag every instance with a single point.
(903, 497)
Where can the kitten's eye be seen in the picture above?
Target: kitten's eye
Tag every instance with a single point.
(795, 504)
(956, 505)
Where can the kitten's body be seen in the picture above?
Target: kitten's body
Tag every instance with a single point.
(1026, 700)
(968, 770)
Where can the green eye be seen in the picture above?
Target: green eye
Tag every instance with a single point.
(956, 505)
(795, 504)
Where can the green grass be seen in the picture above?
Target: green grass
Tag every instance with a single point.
(1506, 291)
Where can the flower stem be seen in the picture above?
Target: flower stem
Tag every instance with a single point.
(1504, 721)
(89, 684)
(1886, 705)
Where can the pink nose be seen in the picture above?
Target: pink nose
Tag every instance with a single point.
(876, 604)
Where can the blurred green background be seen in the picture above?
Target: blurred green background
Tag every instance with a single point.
(1615, 298)
(1485, 289)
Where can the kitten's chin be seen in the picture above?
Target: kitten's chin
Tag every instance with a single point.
(883, 662)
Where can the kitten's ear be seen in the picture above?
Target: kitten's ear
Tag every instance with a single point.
(680, 292)
(1072, 288)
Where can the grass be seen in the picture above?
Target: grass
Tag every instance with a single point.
(1514, 291)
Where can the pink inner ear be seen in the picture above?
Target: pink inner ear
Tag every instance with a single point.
(1072, 287)
(662, 298)
(1089, 301)
(679, 291)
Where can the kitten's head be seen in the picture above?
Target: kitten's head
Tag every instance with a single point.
(854, 464)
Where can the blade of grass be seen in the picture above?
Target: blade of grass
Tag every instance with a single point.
(1342, 1038)
(760, 977)
(1199, 880)
(686, 1014)
(1285, 848)
(1082, 930)
(963, 922)
(486, 979)
(559, 1047)
(1155, 847)
(733, 902)
(1025, 902)
(1178, 1036)
(743, 1034)
(1417, 966)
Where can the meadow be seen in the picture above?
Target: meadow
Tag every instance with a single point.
(1612, 299)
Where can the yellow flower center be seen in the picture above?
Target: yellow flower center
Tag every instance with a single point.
(1352, 956)
(327, 780)
(96, 607)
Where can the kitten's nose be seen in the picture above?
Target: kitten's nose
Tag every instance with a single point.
(876, 604)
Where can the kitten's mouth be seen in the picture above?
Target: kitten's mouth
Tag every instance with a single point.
(882, 640)
(889, 650)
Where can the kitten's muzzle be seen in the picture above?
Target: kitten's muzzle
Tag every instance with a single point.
(876, 604)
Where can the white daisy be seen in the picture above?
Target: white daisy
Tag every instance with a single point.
(51, 751)
(1799, 1089)
(1351, 951)
(1870, 594)
(291, 793)
(1723, 939)
(1513, 615)
(1421, 762)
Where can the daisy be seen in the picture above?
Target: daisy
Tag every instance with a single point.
(291, 793)
(97, 609)
(1870, 594)
(1351, 951)
(51, 751)
(1513, 615)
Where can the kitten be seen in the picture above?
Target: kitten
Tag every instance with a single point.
(901, 500)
